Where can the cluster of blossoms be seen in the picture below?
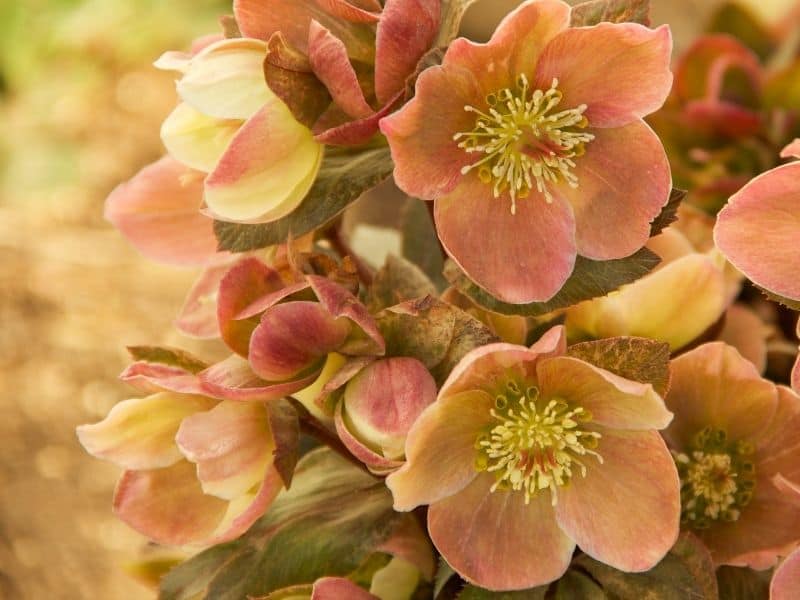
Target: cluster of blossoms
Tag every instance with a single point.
(591, 387)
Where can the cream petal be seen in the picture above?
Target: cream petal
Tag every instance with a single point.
(626, 511)
(195, 139)
(140, 433)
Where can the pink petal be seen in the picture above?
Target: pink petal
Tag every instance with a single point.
(778, 452)
(140, 433)
(620, 71)
(383, 401)
(338, 588)
(198, 316)
(490, 367)
(745, 331)
(636, 490)
(158, 211)
(267, 169)
(232, 446)
(612, 401)
(293, 337)
(242, 285)
(353, 133)
(713, 385)
(155, 377)
(407, 29)
(792, 150)
(375, 461)
(330, 63)
(233, 379)
(786, 580)
(496, 541)
(623, 182)
(758, 230)
(519, 258)
(361, 12)
(167, 505)
(440, 450)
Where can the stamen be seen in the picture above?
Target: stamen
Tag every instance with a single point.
(523, 145)
(536, 444)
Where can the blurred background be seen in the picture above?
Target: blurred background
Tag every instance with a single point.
(80, 110)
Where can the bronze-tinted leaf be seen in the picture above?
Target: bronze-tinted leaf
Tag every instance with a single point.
(164, 355)
(612, 11)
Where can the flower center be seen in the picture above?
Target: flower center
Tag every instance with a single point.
(523, 143)
(717, 479)
(535, 444)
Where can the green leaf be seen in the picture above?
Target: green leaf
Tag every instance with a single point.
(686, 572)
(612, 11)
(737, 583)
(452, 13)
(639, 359)
(669, 213)
(472, 592)
(398, 281)
(444, 573)
(164, 355)
(743, 24)
(420, 243)
(589, 279)
(332, 519)
(343, 177)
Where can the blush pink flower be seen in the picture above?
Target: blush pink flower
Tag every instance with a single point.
(759, 228)
(736, 440)
(534, 149)
(526, 453)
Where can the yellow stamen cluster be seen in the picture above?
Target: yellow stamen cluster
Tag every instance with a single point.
(535, 444)
(524, 144)
(717, 479)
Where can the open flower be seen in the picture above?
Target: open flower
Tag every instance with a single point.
(675, 303)
(260, 161)
(759, 227)
(198, 470)
(736, 440)
(534, 148)
(527, 452)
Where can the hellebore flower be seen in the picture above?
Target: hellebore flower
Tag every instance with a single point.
(526, 453)
(736, 440)
(198, 471)
(379, 406)
(260, 161)
(759, 228)
(675, 303)
(360, 51)
(533, 147)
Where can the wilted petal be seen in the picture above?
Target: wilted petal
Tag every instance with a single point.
(519, 258)
(406, 30)
(612, 401)
(758, 230)
(232, 446)
(195, 139)
(226, 79)
(713, 385)
(496, 540)
(440, 450)
(786, 580)
(267, 169)
(623, 182)
(330, 63)
(619, 71)
(167, 505)
(140, 433)
(158, 211)
(636, 490)
(293, 337)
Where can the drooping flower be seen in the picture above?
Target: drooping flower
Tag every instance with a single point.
(526, 453)
(260, 162)
(198, 470)
(759, 227)
(675, 303)
(736, 443)
(533, 147)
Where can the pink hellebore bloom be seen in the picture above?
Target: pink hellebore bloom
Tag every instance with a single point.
(534, 149)
(526, 453)
(260, 161)
(736, 440)
(198, 471)
(759, 228)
